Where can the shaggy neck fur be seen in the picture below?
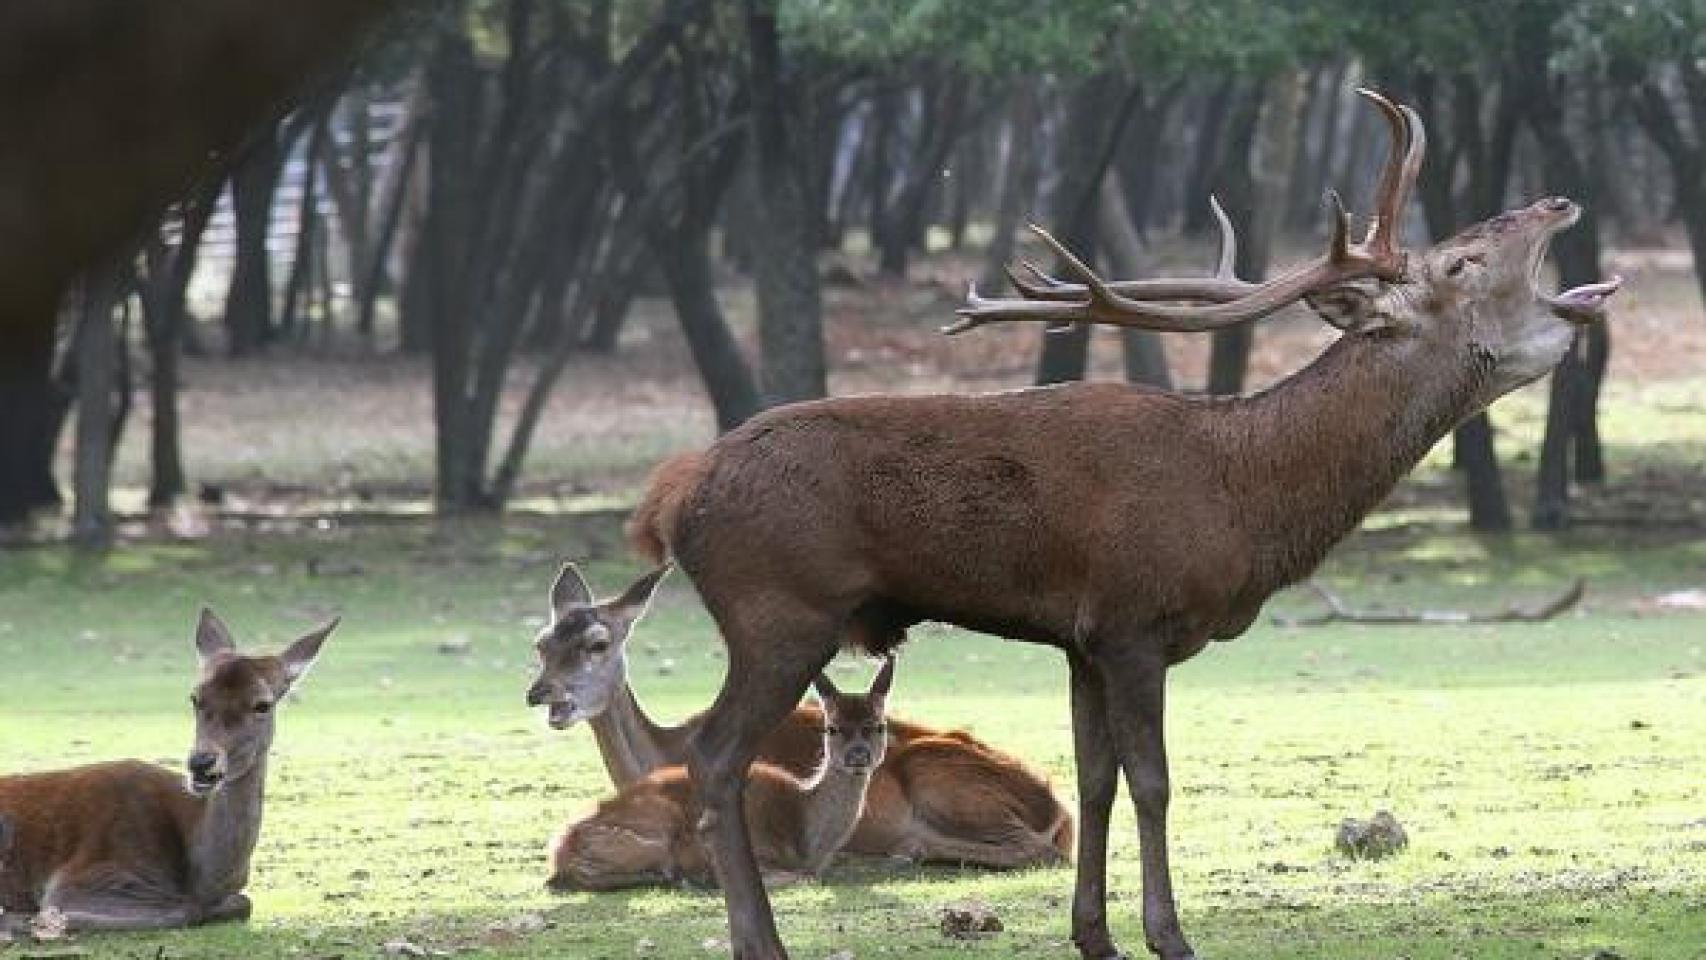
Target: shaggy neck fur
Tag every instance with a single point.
(1309, 458)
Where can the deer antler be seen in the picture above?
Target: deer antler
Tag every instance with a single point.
(1214, 302)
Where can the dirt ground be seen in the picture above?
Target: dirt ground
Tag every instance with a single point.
(350, 425)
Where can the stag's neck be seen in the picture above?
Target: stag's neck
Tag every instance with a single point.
(631, 745)
(834, 798)
(224, 838)
(1313, 455)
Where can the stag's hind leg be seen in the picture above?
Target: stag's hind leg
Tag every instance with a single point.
(775, 647)
(1134, 685)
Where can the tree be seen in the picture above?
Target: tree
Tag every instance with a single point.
(191, 78)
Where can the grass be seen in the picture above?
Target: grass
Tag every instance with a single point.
(1550, 775)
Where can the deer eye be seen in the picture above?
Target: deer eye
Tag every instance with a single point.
(833, 730)
(263, 707)
(875, 729)
(1461, 262)
(195, 703)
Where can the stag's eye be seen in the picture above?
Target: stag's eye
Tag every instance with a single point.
(1461, 262)
(598, 646)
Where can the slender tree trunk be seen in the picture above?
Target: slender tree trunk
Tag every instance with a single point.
(1254, 208)
(30, 399)
(1095, 118)
(164, 297)
(1018, 181)
(97, 348)
(248, 305)
(1145, 358)
(790, 303)
(1206, 158)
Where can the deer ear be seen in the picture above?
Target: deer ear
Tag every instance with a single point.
(570, 590)
(212, 637)
(879, 692)
(1352, 307)
(631, 605)
(826, 691)
(300, 655)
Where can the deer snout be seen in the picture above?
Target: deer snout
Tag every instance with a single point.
(857, 757)
(202, 762)
(539, 694)
(205, 771)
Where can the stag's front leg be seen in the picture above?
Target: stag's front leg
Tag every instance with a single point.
(758, 691)
(1134, 679)
(1098, 779)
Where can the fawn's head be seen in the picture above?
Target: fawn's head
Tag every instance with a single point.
(583, 649)
(235, 699)
(855, 735)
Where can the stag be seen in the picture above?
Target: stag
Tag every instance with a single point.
(129, 845)
(937, 796)
(1126, 526)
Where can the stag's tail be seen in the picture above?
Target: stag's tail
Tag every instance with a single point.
(651, 527)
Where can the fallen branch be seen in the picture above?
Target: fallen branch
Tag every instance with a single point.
(1339, 612)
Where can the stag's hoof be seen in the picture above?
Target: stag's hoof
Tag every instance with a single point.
(235, 908)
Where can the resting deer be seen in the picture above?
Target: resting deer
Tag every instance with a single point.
(644, 835)
(1126, 526)
(941, 797)
(129, 845)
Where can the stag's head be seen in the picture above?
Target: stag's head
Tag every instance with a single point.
(582, 649)
(235, 700)
(1472, 302)
(855, 735)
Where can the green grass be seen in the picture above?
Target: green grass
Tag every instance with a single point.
(1552, 776)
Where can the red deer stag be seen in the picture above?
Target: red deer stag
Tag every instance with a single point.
(133, 846)
(1126, 526)
(937, 796)
(645, 834)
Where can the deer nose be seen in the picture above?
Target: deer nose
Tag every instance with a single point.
(858, 755)
(1559, 204)
(201, 763)
(538, 694)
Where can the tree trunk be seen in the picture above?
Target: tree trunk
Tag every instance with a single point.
(1255, 216)
(1018, 181)
(790, 302)
(1206, 156)
(1145, 358)
(164, 296)
(97, 349)
(31, 401)
(248, 304)
(1095, 118)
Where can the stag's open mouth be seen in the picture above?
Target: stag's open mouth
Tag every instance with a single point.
(1580, 305)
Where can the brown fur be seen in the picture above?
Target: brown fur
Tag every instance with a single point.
(1126, 526)
(651, 527)
(994, 812)
(126, 845)
(645, 834)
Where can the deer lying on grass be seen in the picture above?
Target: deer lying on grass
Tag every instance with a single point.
(644, 835)
(129, 845)
(939, 797)
(1126, 526)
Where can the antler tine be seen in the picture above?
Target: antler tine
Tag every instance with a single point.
(1339, 225)
(1228, 241)
(1397, 177)
(1039, 285)
(1210, 303)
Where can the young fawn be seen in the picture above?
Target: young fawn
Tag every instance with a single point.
(939, 796)
(645, 835)
(129, 845)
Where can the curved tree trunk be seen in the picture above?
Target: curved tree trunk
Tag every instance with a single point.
(1018, 181)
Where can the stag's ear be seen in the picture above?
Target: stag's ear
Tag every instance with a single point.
(825, 690)
(300, 655)
(879, 693)
(631, 605)
(212, 637)
(569, 591)
(1354, 307)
